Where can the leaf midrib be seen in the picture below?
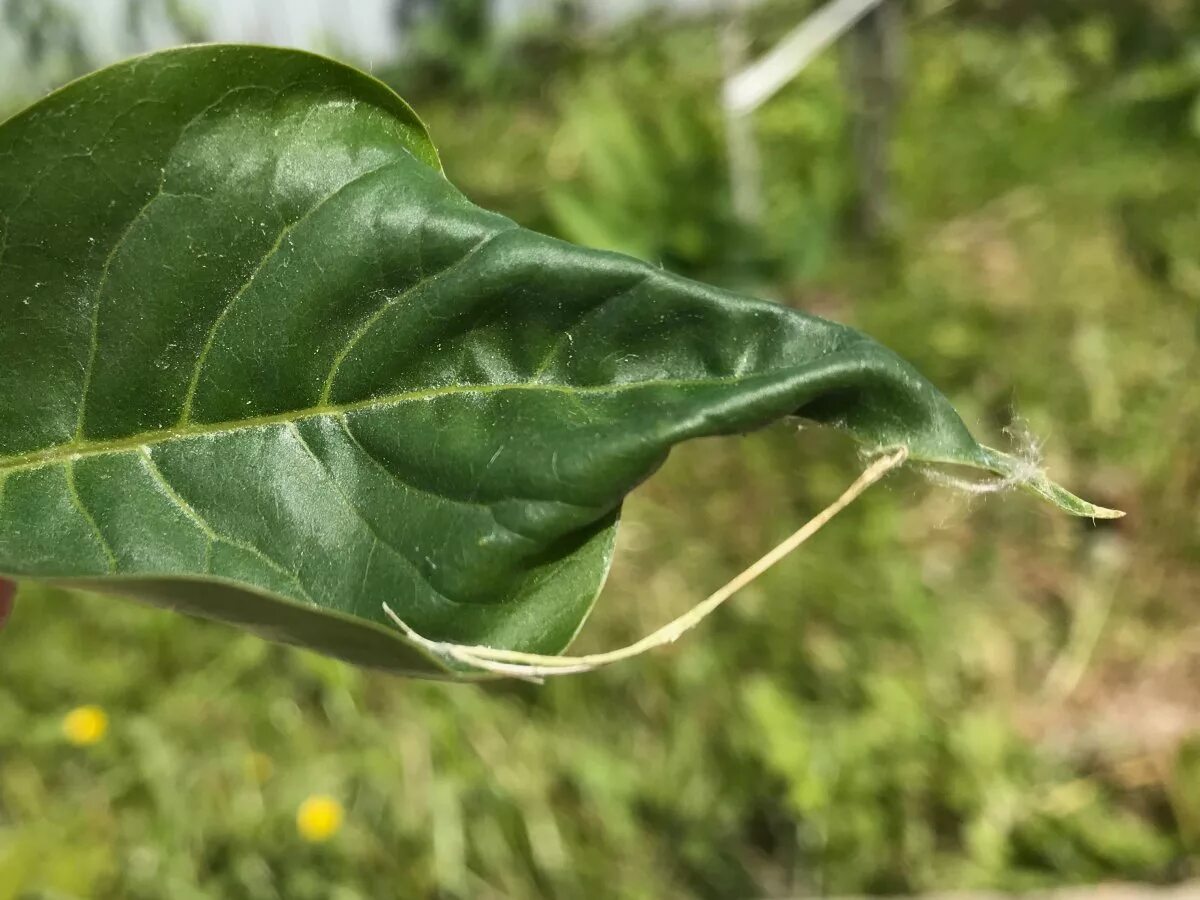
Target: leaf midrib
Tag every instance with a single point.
(61, 453)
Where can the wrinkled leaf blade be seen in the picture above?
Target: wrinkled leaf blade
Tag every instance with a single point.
(260, 361)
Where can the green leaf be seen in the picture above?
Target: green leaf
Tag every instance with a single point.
(260, 361)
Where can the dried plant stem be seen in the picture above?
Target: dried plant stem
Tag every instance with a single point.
(536, 666)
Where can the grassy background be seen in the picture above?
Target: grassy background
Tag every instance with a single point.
(939, 691)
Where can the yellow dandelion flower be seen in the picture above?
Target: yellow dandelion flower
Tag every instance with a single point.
(85, 725)
(319, 818)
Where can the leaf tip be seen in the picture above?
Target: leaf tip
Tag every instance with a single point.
(1029, 476)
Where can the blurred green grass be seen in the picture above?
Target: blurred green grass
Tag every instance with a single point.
(938, 691)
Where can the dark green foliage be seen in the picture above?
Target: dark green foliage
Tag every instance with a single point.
(273, 347)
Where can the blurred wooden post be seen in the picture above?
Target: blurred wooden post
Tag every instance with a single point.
(746, 90)
(745, 167)
(875, 63)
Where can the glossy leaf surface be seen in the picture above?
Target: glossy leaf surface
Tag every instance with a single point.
(260, 361)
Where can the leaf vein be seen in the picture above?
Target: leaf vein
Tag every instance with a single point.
(210, 339)
(77, 502)
(94, 339)
(377, 538)
(372, 320)
(375, 461)
(565, 338)
(56, 453)
(93, 347)
(213, 535)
